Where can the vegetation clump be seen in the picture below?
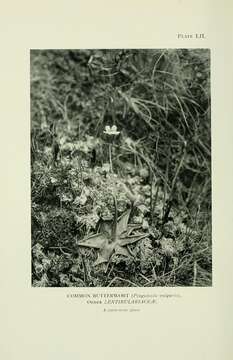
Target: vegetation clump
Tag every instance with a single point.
(121, 168)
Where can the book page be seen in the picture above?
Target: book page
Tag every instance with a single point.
(91, 87)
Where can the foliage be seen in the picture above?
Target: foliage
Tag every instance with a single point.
(133, 125)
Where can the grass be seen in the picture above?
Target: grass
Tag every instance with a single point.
(158, 166)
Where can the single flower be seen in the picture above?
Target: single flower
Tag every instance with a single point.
(111, 130)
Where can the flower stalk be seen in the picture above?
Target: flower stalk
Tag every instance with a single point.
(111, 132)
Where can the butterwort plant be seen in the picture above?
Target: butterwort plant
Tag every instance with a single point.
(111, 132)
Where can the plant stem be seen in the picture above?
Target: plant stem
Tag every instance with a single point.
(114, 229)
(110, 157)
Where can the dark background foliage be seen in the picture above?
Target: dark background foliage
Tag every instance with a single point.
(160, 102)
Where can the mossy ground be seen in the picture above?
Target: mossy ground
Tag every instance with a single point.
(160, 164)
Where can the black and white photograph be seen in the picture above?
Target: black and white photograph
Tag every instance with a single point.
(121, 167)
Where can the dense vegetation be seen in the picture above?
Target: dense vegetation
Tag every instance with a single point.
(121, 146)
